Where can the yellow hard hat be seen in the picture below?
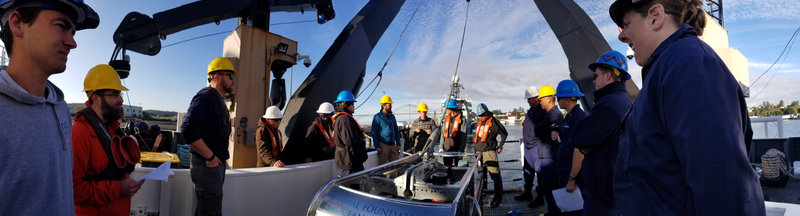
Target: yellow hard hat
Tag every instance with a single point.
(220, 64)
(546, 90)
(386, 99)
(422, 107)
(102, 76)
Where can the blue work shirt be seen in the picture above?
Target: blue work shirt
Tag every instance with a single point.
(682, 147)
(598, 136)
(567, 148)
(384, 129)
(209, 120)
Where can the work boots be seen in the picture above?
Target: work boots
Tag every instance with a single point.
(525, 196)
(539, 201)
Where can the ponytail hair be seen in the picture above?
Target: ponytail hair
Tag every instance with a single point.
(683, 11)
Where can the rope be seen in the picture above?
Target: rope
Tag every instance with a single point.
(773, 165)
(130, 107)
(380, 72)
(463, 33)
(779, 57)
(194, 38)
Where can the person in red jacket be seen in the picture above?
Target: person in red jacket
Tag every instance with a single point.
(101, 185)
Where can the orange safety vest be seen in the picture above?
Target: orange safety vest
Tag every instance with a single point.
(483, 130)
(327, 133)
(451, 132)
(276, 141)
(333, 121)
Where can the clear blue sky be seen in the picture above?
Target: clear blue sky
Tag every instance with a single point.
(508, 46)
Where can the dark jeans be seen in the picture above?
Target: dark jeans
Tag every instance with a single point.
(207, 186)
(548, 181)
(528, 174)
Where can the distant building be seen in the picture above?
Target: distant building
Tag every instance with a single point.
(137, 111)
(512, 119)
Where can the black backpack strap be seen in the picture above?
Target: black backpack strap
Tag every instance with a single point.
(112, 172)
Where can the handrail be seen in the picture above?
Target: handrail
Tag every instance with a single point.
(777, 119)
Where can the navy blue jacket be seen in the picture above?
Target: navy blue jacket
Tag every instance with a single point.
(384, 129)
(547, 150)
(208, 119)
(567, 148)
(682, 148)
(597, 135)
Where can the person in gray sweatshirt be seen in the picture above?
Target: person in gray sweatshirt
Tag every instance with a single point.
(35, 140)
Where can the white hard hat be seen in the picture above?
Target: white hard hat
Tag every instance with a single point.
(531, 92)
(273, 113)
(325, 108)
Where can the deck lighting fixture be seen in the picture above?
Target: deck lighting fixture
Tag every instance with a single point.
(282, 48)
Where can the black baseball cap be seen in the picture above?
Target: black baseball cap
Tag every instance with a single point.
(620, 7)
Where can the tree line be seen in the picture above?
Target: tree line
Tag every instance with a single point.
(768, 109)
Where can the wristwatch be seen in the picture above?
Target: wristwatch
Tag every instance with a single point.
(571, 177)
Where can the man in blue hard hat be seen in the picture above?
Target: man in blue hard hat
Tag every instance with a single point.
(486, 144)
(568, 159)
(597, 135)
(36, 160)
(351, 152)
(454, 135)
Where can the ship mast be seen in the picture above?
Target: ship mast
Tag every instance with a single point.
(714, 9)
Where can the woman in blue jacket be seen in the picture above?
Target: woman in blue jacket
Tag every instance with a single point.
(682, 146)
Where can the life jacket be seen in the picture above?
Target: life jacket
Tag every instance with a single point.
(112, 171)
(327, 133)
(451, 132)
(333, 121)
(277, 141)
(482, 131)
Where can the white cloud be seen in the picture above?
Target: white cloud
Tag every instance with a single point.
(761, 9)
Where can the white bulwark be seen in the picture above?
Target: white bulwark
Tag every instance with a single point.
(136, 110)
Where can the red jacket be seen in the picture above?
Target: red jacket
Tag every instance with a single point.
(94, 197)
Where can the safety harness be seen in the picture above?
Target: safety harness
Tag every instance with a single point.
(327, 133)
(451, 130)
(277, 141)
(364, 135)
(112, 171)
(483, 130)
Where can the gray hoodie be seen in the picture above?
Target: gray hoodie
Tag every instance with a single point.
(35, 151)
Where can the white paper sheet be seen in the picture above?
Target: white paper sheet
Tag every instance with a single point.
(159, 174)
(568, 201)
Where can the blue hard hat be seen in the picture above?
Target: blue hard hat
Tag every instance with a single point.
(451, 104)
(482, 109)
(345, 96)
(614, 59)
(568, 88)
